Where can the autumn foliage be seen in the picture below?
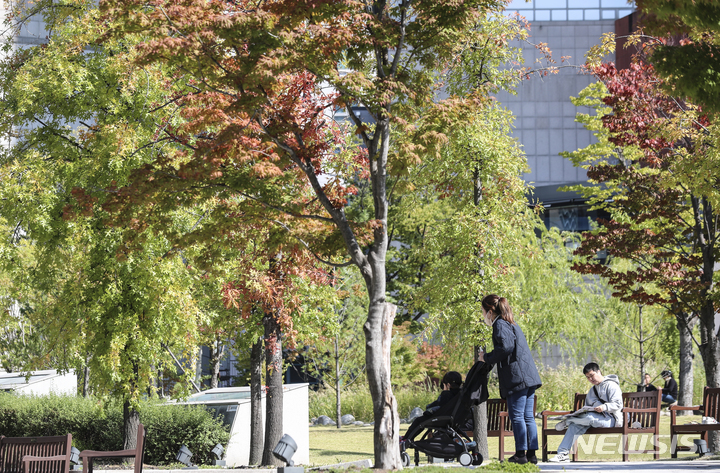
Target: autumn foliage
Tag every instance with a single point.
(651, 220)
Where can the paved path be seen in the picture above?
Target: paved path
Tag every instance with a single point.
(675, 466)
(678, 466)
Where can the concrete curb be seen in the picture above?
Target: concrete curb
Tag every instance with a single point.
(672, 466)
(359, 464)
(198, 470)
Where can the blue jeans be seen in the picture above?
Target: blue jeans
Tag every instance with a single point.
(579, 425)
(668, 398)
(521, 405)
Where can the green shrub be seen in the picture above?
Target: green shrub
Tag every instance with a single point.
(174, 426)
(91, 426)
(98, 425)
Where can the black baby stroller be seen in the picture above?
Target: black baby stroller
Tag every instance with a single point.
(443, 431)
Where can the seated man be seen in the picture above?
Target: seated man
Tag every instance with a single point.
(648, 383)
(670, 391)
(605, 397)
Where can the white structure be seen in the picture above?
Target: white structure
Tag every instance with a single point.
(40, 383)
(233, 404)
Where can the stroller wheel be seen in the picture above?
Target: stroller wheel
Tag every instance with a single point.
(465, 459)
(405, 459)
(477, 458)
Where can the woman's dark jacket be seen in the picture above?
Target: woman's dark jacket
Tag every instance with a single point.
(671, 388)
(515, 365)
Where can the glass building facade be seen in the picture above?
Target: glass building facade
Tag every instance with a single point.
(570, 10)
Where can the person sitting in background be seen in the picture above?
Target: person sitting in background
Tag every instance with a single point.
(648, 383)
(670, 391)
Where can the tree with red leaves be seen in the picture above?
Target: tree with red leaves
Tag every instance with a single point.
(662, 217)
(272, 285)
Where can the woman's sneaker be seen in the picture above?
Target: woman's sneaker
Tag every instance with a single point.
(560, 457)
(562, 425)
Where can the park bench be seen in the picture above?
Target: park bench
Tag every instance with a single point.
(499, 424)
(642, 407)
(35, 454)
(88, 456)
(709, 408)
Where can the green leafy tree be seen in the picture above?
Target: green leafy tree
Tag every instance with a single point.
(90, 287)
(690, 67)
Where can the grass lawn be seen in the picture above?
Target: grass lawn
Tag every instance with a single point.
(330, 445)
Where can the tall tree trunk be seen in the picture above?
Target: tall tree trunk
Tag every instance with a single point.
(641, 343)
(481, 420)
(274, 393)
(86, 377)
(381, 314)
(198, 367)
(131, 417)
(378, 327)
(256, 427)
(131, 420)
(161, 383)
(686, 376)
(338, 384)
(479, 411)
(378, 336)
(216, 354)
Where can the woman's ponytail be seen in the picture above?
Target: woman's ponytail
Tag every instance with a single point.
(499, 306)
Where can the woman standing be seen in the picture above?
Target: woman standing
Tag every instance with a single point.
(517, 373)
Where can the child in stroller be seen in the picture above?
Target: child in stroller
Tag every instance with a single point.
(443, 430)
(450, 385)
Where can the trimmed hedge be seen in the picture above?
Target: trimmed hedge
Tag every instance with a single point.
(97, 425)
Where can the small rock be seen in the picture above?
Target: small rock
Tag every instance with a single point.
(324, 420)
(414, 414)
(358, 422)
(347, 419)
